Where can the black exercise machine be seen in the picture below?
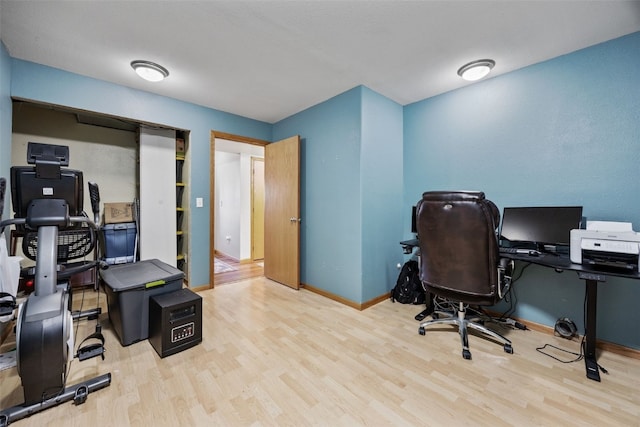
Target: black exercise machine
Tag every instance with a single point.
(47, 202)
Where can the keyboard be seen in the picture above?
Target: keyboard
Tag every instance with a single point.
(519, 251)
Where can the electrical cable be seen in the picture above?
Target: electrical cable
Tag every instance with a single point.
(580, 355)
(444, 305)
(511, 296)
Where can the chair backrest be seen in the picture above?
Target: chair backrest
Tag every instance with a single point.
(458, 246)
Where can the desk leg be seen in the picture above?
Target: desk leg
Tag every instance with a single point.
(590, 339)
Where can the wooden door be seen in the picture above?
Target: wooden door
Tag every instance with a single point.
(257, 208)
(282, 212)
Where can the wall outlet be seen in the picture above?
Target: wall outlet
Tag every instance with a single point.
(199, 202)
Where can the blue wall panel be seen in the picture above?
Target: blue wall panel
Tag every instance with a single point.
(5, 116)
(351, 201)
(331, 234)
(5, 132)
(381, 178)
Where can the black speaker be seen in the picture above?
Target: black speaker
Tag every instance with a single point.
(175, 321)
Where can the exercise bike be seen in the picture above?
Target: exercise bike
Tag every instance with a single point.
(47, 202)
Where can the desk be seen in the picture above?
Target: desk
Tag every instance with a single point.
(408, 245)
(591, 277)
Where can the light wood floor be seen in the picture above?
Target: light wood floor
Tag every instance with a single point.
(273, 356)
(243, 271)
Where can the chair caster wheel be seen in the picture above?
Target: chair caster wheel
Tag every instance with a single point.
(508, 348)
(466, 354)
(421, 330)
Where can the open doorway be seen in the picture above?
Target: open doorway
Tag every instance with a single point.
(237, 208)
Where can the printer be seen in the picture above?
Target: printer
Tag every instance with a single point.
(606, 244)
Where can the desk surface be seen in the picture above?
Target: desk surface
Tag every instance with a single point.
(562, 262)
(411, 242)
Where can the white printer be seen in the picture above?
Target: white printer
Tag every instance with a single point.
(606, 244)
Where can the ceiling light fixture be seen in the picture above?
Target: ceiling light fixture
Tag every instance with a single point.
(149, 70)
(476, 70)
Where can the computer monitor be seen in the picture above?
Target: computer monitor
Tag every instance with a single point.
(539, 227)
(46, 180)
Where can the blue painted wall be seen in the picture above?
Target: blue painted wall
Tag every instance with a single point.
(5, 116)
(561, 132)
(49, 85)
(331, 235)
(381, 207)
(351, 204)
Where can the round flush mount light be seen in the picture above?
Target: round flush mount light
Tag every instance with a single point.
(149, 70)
(476, 70)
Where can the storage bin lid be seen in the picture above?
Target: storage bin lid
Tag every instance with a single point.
(120, 226)
(140, 275)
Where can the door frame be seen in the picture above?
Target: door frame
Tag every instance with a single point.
(212, 188)
(255, 160)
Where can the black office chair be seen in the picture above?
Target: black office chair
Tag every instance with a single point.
(459, 259)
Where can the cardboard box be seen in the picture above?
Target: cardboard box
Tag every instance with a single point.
(116, 213)
(179, 145)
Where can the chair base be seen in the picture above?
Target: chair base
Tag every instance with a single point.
(463, 324)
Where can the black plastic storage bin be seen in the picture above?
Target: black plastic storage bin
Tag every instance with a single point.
(129, 287)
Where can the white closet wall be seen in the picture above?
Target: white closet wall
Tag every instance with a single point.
(158, 194)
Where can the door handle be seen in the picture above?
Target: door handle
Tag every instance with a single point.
(294, 219)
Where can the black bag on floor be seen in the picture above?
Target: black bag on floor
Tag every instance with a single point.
(408, 289)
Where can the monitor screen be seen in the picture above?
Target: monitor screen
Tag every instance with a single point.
(26, 186)
(539, 226)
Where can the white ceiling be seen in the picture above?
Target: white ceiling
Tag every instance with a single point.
(269, 59)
